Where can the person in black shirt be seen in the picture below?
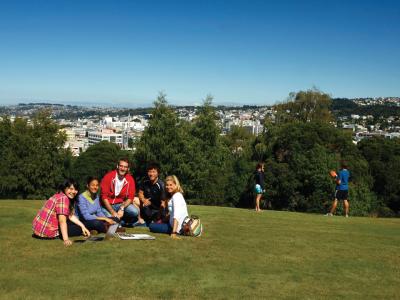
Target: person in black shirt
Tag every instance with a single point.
(259, 187)
(151, 194)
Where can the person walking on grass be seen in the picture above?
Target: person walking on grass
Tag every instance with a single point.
(342, 189)
(118, 195)
(56, 218)
(259, 187)
(88, 208)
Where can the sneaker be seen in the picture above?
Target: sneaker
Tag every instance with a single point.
(328, 215)
(139, 224)
(346, 216)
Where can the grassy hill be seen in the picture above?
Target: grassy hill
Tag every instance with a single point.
(274, 255)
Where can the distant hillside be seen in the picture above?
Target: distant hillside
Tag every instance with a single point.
(345, 107)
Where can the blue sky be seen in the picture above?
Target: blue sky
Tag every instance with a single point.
(241, 52)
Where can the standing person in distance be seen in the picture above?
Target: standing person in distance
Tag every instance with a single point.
(177, 209)
(342, 189)
(56, 218)
(259, 187)
(151, 194)
(118, 194)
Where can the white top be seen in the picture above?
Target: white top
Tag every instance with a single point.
(118, 184)
(177, 210)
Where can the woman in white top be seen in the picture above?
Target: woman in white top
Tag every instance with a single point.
(176, 206)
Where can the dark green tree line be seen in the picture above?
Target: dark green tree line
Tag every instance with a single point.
(299, 147)
(192, 151)
(33, 158)
(297, 168)
(383, 156)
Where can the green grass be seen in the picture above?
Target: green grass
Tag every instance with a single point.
(274, 255)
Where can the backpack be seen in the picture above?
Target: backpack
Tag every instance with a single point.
(192, 226)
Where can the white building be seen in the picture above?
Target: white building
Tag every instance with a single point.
(105, 135)
(137, 123)
(392, 135)
(70, 133)
(76, 147)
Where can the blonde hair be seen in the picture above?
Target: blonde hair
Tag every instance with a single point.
(175, 180)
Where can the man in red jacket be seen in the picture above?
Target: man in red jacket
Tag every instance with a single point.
(118, 194)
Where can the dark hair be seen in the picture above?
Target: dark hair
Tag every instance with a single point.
(153, 165)
(343, 164)
(125, 159)
(67, 183)
(91, 178)
(259, 165)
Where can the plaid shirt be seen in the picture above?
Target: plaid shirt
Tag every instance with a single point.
(45, 223)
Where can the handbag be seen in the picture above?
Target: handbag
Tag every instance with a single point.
(192, 226)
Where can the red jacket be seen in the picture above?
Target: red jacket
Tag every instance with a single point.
(108, 187)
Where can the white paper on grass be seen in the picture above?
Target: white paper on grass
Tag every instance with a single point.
(134, 236)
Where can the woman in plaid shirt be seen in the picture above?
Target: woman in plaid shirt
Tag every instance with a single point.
(56, 217)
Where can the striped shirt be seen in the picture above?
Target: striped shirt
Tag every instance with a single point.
(45, 224)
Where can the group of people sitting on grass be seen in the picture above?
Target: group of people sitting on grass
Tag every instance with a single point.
(160, 207)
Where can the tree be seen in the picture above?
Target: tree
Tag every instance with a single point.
(210, 158)
(97, 160)
(239, 191)
(305, 106)
(33, 156)
(162, 141)
(298, 164)
(383, 156)
(192, 151)
(47, 160)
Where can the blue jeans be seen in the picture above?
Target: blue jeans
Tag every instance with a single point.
(160, 228)
(131, 213)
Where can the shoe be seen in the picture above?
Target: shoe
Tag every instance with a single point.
(138, 224)
(346, 216)
(120, 229)
(328, 215)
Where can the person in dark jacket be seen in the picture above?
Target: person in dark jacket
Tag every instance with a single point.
(259, 187)
(151, 194)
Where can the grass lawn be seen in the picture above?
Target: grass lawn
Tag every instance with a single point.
(274, 255)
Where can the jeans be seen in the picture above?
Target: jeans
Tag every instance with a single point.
(97, 225)
(131, 213)
(160, 228)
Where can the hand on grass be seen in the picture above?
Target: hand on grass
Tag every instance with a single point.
(67, 243)
(175, 237)
(85, 231)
